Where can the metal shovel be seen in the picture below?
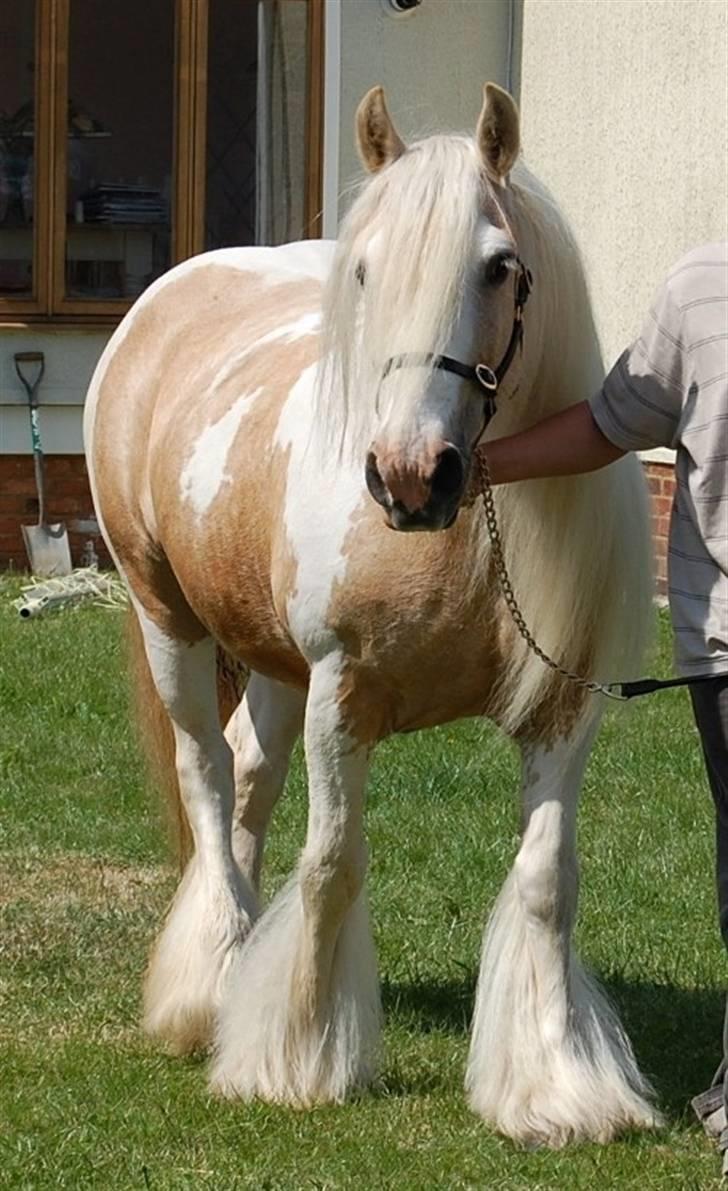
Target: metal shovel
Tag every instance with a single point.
(47, 545)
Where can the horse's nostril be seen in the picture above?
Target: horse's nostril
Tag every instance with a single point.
(449, 474)
(375, 483)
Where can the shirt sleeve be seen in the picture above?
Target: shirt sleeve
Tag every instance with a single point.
(639, 406)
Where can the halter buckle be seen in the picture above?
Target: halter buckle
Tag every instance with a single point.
(486, 378)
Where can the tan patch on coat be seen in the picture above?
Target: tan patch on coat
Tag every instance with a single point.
(561, 707)
(416, 629)
(444, 653)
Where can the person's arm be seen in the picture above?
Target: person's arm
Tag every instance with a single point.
(565, 444)
(638, 407)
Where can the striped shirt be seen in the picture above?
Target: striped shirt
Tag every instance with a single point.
(670, 389)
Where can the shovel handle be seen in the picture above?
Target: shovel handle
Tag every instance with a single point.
(31, 387)
(38, 464)
(37, 359)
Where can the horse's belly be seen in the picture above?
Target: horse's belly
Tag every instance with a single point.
(245, 621)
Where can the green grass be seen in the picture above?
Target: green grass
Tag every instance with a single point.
(87, 1101)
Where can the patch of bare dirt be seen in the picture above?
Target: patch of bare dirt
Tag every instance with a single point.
(64, 880)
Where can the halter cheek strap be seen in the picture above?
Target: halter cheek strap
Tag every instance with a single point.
(487, 379)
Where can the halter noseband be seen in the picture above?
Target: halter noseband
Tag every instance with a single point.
(486, 378)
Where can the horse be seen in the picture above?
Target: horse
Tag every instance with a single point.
(281, 447)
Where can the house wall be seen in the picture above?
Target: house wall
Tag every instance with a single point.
(432, 63)
(68, 499)
(623, 109)
(661, 485)
(70, 358)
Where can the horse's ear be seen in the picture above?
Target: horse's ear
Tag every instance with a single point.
(377, 139)
(498, 133)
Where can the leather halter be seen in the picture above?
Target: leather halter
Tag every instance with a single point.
(486, 378)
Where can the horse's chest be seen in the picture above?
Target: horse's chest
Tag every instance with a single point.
(403, 610)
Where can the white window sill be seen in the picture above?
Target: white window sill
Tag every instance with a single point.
(658, 455)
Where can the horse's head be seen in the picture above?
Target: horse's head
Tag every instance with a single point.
(424, 303)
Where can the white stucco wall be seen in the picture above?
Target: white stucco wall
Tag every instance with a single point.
(625, 115)
(432, 62)
(70, 358)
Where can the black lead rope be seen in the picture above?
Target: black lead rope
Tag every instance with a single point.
(647, 686)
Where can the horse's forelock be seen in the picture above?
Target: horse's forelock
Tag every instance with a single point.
(426, 205)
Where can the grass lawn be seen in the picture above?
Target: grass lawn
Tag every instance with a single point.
(87, 1101)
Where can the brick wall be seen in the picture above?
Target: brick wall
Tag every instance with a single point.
(661, 483)
(68, 499)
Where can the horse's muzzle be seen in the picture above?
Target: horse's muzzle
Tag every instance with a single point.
(431, 503)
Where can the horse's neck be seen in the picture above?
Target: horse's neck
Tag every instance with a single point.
(562, 365)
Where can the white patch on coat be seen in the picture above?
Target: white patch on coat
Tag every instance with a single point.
(322, 496)
(287, 262)
(205, 471)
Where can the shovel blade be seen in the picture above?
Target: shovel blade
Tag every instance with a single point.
(48, 550)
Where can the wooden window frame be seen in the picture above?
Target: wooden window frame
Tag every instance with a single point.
(48, 304)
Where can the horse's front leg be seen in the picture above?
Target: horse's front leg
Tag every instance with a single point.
(549, 1062)
(300, 1022)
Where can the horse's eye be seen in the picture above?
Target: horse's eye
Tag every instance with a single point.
(497, 268)
(360, 273)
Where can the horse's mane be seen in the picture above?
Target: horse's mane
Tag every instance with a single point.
(576, 547)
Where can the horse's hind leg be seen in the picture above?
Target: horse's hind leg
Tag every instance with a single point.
(549, 1062)
(261, 733)
(300, 1019)
(213, 907)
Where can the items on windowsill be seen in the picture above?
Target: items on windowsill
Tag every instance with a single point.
(17, 134)
(117, 203)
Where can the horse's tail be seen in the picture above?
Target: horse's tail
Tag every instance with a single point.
(155, 729)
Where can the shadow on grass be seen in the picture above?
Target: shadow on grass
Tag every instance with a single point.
(676, 1032)
(426, 1006)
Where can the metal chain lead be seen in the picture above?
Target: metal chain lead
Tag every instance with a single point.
(491, 520)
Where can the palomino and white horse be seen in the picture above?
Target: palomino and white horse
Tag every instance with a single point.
(259, 424)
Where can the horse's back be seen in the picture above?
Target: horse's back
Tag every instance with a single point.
(193, 319)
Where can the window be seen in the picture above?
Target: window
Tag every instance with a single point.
(18, 157)
(134, 133)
